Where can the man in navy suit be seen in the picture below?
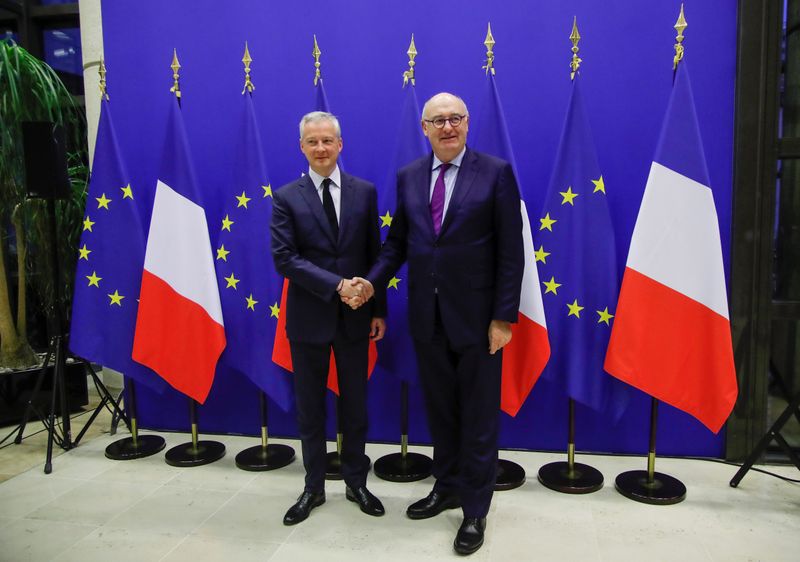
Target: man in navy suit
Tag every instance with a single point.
(459, 226)
(324, 232)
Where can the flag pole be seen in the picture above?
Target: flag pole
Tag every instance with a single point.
(650, 486)
(405, 466)
(510, 475)
(571, 477)
(265, 456)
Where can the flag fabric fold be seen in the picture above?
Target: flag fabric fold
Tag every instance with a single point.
(109, 268)
(671, 337)
(250, 290)
(180, 332)
(281, 352)
(526, 355)
(397, 348)
(576, 256)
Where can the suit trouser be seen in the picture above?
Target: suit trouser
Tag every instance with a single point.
(310, 363)
(461, 386)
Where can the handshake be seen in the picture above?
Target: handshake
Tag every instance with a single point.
(355, 292)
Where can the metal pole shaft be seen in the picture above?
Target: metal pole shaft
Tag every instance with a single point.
(264, 436)
(132, 412)
(403, 419)
(571, 437)
(651, 455)
(193, 420)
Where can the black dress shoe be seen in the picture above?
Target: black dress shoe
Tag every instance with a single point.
(305, 503)
(368, 503)
(432, 504)
(470, 535)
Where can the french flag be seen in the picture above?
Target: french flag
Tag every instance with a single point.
(526, 355)
(671, 336)
(179, 328)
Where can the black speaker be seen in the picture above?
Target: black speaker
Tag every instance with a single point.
(46, 174)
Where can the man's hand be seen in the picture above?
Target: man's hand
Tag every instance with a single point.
(377, 329)
(356, 291)
(367, 290)
(499, 335)
(350, 290)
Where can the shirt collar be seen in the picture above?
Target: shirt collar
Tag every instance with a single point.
(336, 177)
(454, 162)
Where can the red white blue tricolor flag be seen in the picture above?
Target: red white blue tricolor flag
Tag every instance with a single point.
(179, 328)
(671, 337)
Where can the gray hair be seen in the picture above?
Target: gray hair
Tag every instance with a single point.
(317, 116)
(441, 95)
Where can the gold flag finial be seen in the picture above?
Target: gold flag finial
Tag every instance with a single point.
(175, 66)
(575, 37)
(316, 52)
(489, 42)
(680, 26)
(102, 72)
(409, 74)
(247, 59)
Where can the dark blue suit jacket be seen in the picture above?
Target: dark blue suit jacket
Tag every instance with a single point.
(474, 265)
(305, 252)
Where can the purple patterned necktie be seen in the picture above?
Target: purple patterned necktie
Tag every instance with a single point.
(437, 200)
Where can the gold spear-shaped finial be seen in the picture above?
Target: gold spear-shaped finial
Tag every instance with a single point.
(489, 42)
(175, 66)
(316, 52)
(409, 74)
(680, 26)
(247, 59)
(102, 72)
(576, 60)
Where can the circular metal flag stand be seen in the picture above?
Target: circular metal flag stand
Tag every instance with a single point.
(136, 446)
(649, 486)
(195, 452)
(571, 477)
(333, 468)
(403, 466)
(510, 475)
(265, 456)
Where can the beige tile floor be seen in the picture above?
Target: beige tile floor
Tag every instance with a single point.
(91, 508)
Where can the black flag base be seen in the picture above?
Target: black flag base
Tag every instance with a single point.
(195, 453)
(575, 479)
(261, 458)
(128, 449)
(333, 469)
(399, 467)
(510, 475)
(660, 489)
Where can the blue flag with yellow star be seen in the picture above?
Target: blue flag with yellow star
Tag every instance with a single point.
(109, 269)
(397, 350)
(577, 262)
(250, 290)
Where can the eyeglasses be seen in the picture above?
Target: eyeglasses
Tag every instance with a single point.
(454, 120)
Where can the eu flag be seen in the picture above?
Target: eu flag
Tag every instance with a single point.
(109, 270)
(250, 290)
(397, 349)
(575, 252)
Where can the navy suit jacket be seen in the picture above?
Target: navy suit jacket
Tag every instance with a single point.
(474, 265)
(306, 253)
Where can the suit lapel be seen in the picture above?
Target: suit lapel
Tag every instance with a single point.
(464, 181)
(309, 193)
(423, 191)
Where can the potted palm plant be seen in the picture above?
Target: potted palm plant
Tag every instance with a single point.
(30, 90)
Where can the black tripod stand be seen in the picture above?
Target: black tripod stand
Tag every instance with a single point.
(55, 362)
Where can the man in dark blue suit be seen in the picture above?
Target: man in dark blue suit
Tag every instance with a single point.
(324, 232)
(459, 226)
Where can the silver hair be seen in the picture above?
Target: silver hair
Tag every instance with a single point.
(317, 116)
(439, 95)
